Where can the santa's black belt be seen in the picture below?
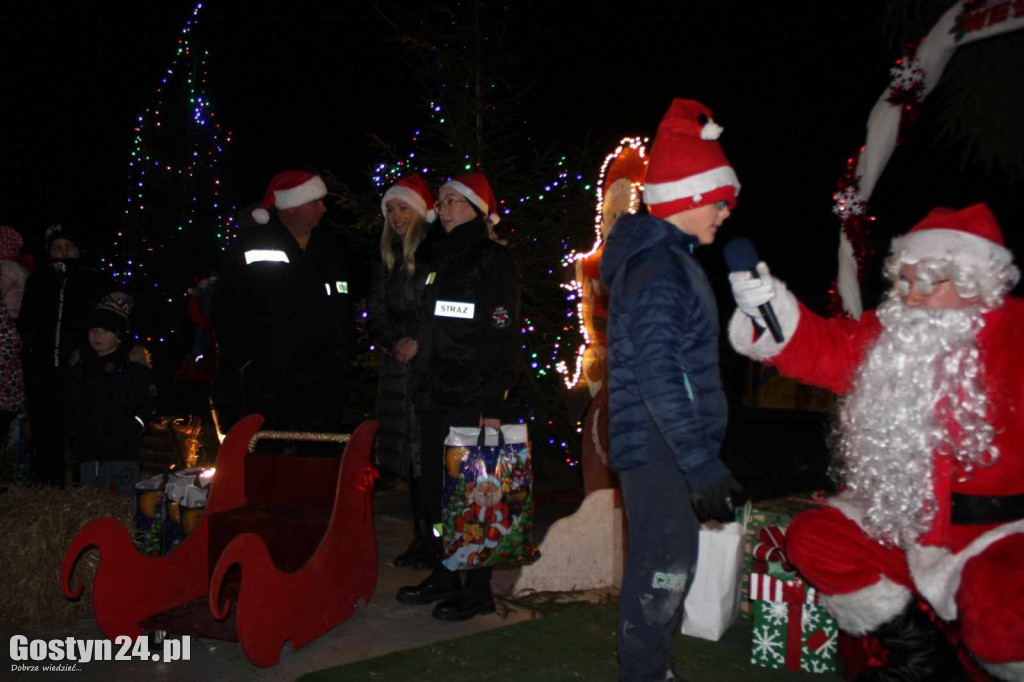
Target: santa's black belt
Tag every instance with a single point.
(976, 510)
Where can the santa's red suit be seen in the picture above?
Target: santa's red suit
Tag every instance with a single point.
(971, 573)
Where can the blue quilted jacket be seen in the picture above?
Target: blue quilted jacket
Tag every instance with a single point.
(665, 388)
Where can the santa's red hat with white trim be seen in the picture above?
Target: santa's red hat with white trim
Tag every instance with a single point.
(414, 191)
(970, 236)
(289, 189)
(688, 168)
(477, 190)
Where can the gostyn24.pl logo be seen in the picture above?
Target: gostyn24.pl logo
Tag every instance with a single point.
(66, 654)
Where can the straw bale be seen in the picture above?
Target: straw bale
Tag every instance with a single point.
(37, 525)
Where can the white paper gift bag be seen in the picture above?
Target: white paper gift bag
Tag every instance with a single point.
(713, 602)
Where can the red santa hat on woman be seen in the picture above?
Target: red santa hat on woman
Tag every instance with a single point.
(477, 190)
(414, 191)
(289, 189)
(688, 168)
(970, 236)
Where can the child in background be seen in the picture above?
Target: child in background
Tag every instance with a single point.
(12, 387)
(13, 274)
(111, 397)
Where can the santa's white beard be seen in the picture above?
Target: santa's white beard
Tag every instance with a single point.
(921, 376)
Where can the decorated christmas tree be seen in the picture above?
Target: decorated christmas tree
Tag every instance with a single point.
(176, 221)
(472, 81)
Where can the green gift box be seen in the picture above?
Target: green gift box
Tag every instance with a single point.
(791, 630)
(779, 513)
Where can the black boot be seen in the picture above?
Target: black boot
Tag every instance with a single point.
(918, 652)
(440, 584)
(421, 533)
(429, 553)
(476, 599)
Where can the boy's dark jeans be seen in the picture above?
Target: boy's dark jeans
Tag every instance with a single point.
(663, 537)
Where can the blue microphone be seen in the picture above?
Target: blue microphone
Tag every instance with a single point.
(740, 256)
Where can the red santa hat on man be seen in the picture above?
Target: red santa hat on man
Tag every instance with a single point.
(414, 191)
(289, 189)
(970, 236)
(688, 168)
(477, 190)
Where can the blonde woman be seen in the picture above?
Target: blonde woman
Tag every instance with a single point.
(393, 324)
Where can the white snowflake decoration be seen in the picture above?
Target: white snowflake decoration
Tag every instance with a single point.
(813, 666)
(831, 647)
(848, 203)
(907, 74)
(810, 619)
(777, 613)
(823, 659)
(768, 646)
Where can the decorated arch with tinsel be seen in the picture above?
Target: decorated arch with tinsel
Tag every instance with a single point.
(914, 75)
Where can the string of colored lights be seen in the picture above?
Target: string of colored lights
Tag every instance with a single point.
(197, 169)
(574, 287)
(385, 174)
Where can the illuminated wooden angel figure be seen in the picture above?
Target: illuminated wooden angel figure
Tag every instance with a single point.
(619, 189)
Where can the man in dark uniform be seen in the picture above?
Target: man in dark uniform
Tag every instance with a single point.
(283, 315)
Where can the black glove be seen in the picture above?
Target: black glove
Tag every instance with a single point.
(719, 500)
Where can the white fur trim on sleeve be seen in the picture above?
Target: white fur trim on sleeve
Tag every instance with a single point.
(1013, 670)
(741, 327)
(937, 571)
(862, 611)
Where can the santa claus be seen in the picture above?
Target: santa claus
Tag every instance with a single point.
(930, 456)
(487, 518)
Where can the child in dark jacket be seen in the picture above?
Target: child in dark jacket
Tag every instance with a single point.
(110, 396)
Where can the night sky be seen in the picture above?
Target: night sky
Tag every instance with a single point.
(303, 83)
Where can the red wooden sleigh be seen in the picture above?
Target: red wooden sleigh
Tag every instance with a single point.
(284, 550)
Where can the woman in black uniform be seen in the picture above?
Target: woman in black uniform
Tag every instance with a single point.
(470, 356)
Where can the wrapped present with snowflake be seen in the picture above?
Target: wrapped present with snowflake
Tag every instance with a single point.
(791, 630)
(770, 514)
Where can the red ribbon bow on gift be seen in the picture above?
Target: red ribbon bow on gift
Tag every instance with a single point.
(772, 546)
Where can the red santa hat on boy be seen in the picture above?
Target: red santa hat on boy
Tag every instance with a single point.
(289, 189)
(477, 190)
(970, 236)
(414, 191)
(688, 168)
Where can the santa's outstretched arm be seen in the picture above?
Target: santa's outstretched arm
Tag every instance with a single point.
(815, 350)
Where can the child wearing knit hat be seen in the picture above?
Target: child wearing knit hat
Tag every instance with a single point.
(110, 398)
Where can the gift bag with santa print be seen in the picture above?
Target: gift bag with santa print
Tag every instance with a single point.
(487, 498)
